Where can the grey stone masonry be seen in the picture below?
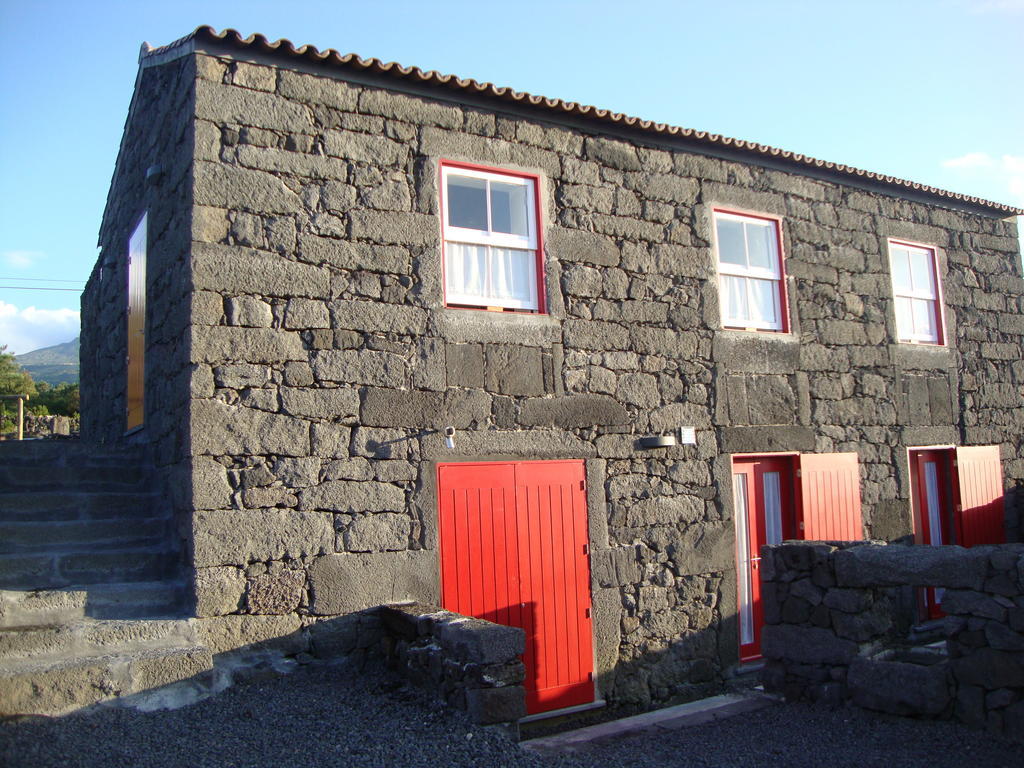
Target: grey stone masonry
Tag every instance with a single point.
(470, 663)
(302, 362)
(834, 629)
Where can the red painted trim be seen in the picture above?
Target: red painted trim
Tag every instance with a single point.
(535, 178)
(940, 298)
(754, 466)
(783, 288)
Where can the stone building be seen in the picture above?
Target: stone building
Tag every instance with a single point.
(394, 335)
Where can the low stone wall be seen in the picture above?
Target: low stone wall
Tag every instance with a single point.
(835, 629)
(472, 664)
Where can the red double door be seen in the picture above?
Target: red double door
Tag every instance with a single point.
(957, 498)
(812, 496)
(515, 551)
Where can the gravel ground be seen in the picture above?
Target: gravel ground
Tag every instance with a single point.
(333, 716)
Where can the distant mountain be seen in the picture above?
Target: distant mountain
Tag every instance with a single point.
(54, 365)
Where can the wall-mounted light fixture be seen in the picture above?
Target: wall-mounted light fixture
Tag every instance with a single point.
(657, 441)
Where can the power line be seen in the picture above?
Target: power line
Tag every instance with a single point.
(30, 288)
(40, 280)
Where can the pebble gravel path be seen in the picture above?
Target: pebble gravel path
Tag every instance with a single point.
(323, 715)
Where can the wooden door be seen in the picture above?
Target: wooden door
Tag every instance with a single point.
(136, 352)
(980, 514)
(515, 551)
(931, 498)
(765, 514)
(830, 497)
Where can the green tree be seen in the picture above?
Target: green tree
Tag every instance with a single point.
(61, 400)
(14, 380)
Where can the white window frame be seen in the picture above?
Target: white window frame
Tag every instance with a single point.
(775, 275)
(920, 293)
(463, 235)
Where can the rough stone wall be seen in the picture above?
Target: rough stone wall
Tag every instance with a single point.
(469, 663)
(832, 622)
(158, 133)
(324, 361)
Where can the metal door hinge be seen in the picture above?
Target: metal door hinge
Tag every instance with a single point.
(586, 613)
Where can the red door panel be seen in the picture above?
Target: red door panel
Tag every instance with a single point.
(830, 497)
(931, 498)
(514, 550)
(763, 494)
(979, 490)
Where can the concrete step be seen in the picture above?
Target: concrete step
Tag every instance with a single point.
(53, 607)
(35, 506)
(53, 570)
(81, 535)
(93, 637)
(75, 476)
(53, 686)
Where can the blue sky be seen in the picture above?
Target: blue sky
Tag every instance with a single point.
(928, 90)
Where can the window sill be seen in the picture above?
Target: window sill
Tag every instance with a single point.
(471, 325)
(921, 356)
(756, 351)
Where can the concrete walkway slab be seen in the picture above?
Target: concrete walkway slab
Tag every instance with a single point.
(686, 715)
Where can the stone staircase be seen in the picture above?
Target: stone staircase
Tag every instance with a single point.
(91, 606)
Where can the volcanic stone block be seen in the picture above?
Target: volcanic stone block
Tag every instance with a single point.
(514, 370)
(275, 593)
(353, 497)
(219, 429)
(239, 538)
(899, 688)
(806, 645)
(339, 583)
(479, 641)
(496, 705)
(572, 411)
(383, 532)
(873, 565)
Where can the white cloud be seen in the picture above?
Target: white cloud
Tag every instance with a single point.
(22, 259)
(970, 160)
(24, 330)
(994, 6)
(1004, 174)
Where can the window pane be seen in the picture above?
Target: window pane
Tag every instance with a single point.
(466, 269)
(762, 301)
(467, 202)
(761, 246)
(904, 318)
(734, 298)
(772, 508)
(508, 208)
(745, 587)
(512, 273)
(924, 318)
(731, 247)
(901, 270)
(921, 269)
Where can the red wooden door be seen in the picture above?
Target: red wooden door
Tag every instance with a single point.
(830, 497)
(515, 551)
(979, 496)
(763, 493)
(933, 510)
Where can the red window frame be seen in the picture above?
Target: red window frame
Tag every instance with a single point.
(939, 306)
(539, 255)
(776, 222)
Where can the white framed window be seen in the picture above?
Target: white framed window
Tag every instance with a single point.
(916, 293)
(750, 277)
(491, 240)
